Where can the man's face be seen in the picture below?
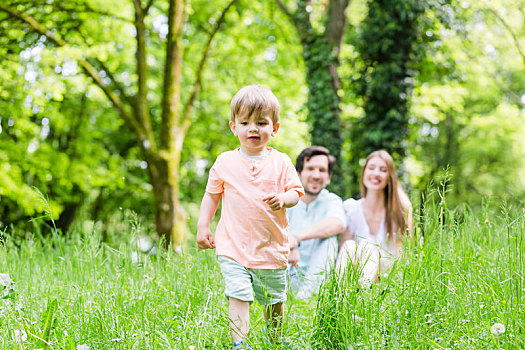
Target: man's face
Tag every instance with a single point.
(315, 176)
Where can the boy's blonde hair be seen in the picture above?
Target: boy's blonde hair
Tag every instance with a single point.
(254, 99)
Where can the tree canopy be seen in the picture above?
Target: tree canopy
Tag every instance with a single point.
(108, 106)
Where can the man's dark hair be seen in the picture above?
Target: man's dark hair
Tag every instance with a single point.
(311, 151)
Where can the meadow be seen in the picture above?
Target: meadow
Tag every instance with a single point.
(459, 285)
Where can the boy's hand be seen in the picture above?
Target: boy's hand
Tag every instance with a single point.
(205, 239)
(275, 201)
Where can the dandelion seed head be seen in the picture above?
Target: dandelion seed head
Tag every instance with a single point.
(497, 329)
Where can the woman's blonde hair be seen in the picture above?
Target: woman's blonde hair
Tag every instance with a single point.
(396, 201)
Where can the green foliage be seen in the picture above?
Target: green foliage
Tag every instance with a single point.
(320, 54)
(439, 83)
(391, 45)
(323, 101)
(467, 117)
(85, 159)
(271, 57)
(62, 144)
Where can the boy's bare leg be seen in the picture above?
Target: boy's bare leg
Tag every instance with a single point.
(274, 315)
(239, 314)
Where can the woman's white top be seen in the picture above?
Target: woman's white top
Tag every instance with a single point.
(358, 226)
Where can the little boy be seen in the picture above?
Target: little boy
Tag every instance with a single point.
(256, 184)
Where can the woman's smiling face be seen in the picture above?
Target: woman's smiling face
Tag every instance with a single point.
(375, 176)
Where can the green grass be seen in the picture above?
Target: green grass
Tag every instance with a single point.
(106, 301)
(451, 286)
(448, 290)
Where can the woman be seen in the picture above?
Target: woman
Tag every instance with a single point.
(377, 222)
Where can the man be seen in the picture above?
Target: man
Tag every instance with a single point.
(314, 222)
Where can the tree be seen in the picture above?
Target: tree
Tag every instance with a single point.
(468, 112)
(321, 33)
(391, 46)
(62, 24)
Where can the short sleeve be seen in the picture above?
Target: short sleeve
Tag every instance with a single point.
(335, 208)
(291, 180)
(215, 183)
(350, 205)
(353, 216)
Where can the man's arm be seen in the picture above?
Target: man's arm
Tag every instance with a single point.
(327, 227)
(209, 205)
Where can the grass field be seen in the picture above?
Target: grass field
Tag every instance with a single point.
(451, 287)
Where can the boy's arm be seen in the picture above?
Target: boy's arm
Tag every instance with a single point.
(209, 205)
(282, 200)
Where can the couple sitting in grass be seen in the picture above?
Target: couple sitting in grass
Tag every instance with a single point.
(256, 249)
(325, 231)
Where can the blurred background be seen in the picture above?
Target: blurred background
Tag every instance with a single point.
(112, 112)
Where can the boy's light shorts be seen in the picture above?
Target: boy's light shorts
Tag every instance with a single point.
(269, 286)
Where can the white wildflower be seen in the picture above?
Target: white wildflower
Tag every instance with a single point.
(116, 339)
(7, 285)
(20, 335)
(83, 347)
(143, 244)
(356, 318)
(5, 280)
(497, 329)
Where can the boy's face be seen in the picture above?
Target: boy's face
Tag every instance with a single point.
(254, 132)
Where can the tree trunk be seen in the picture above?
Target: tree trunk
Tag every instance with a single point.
(321, 56)
(163, 158)
(323, 104)
(170, 216)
